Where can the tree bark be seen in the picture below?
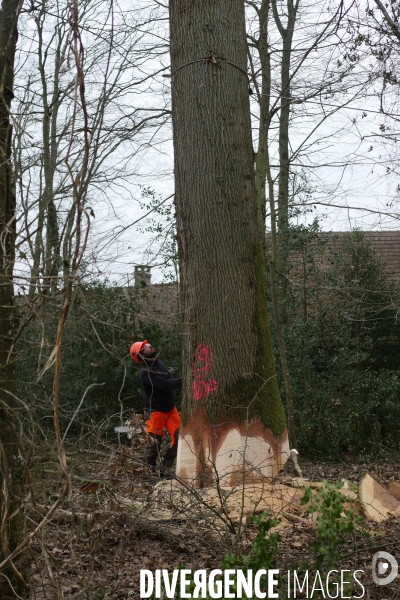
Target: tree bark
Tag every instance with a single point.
(275, 308)
(12, 523)
(284, 159)
(234, 424)
(48, 228)
(262, 177)
(264, 103)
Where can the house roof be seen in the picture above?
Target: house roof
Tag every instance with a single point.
(386, 243)
(161, 300)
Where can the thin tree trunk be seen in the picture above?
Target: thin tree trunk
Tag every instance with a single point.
(264, 102)
(305, 333)
(12, 525)
(49, 131)
(276, 313)
(284, 160)
(263, 177)
(233, 416)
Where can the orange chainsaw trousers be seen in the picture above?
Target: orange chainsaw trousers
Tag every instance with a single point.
(157, 421)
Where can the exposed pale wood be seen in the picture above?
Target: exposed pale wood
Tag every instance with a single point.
(243, 455)
(394, 489)
(378, 505)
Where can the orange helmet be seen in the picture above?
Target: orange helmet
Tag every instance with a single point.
(135, 349)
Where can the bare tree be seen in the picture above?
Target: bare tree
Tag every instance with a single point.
(294, 66)
(117, 52)
(377, 32)
(77, 129)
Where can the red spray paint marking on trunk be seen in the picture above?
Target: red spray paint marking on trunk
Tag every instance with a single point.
(202, 388)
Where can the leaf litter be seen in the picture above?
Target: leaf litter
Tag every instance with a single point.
(112, 525)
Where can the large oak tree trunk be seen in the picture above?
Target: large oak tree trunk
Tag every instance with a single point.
(233, 419)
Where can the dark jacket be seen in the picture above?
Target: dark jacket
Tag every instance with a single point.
(158, 386)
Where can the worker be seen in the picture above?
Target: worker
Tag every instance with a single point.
(159, 407)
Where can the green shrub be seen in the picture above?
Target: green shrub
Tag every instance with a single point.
(343, 343)
(332, 524)
(101, 326)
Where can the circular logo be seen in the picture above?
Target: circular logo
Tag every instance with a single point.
(384, 564)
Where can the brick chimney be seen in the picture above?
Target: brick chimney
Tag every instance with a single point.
(142, 275)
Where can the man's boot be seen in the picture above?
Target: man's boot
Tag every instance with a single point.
(167, 461)
(152, 452)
